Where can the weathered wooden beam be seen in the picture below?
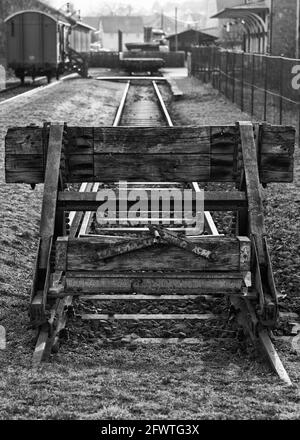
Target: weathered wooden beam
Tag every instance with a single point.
(132, 78)
(47, 226)
(46, 342)
(228, 256)
(150, 283)
(115, 297)
(155, 153)
(82, 282)
(248, 319)
(141, 317)
(255, 207)
(41, 345)
(213, 201)
(273, 357)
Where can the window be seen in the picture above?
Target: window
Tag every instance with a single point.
(12, 28)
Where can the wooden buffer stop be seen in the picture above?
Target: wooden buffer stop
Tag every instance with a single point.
(158, 261)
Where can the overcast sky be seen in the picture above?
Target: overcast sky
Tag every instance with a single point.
(86, 6)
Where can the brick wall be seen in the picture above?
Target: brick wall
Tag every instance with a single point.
(284, 28)
(8, 7)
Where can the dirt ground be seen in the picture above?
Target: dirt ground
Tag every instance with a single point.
(213, 380)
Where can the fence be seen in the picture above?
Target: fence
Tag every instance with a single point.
(104, 59)
(267, 87)
(111, 59)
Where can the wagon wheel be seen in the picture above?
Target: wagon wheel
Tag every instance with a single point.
(21, 75)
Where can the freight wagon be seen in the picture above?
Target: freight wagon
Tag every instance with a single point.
(46, 44)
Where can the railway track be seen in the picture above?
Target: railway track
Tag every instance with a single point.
(136, 112)
(142, 105)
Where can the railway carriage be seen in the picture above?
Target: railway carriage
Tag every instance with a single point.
(39, 43)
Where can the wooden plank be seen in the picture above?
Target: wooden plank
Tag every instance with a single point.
(151, 283)
(47, 225)
(213, 201)
(255, 210)
(50, 189)
(88, 145)
(158, 140)
(273, 357)
(141, 317)
(138, 297)
(273, 137)
(84, 255)
(268, 176)
(132, 78)
(181, 167)
(41, 345)
(61, 251)
(44, 342)
(245, 254)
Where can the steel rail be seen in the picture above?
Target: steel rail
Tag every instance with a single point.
(121, 106)
(162, 105)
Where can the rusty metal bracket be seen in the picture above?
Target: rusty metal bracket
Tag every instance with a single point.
(182, 243)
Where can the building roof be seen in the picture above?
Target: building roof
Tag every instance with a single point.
(201, 35)
(57, 14)
(128, 24)
(85, 25)
(155, 21)
(240, 10)
(94, 22)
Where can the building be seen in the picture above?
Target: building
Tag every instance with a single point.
(265, 26)
(132, 28)
(190, 38)
(81, 37)
(94, 22)
(246, 24)
(164, 22)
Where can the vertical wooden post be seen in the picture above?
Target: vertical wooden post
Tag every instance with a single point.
(48, 224)
(256, 217)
